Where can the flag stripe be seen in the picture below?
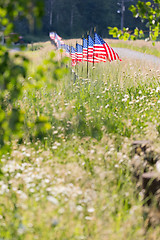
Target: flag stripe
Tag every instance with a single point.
(110, 53)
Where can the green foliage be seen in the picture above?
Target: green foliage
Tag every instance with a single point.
(125, 34)
(150, 14)
(13, 70)
(50, 70)
(11, 77)
(10, 10)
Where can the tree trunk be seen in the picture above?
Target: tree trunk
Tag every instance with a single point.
(51, 13)
(71, 22)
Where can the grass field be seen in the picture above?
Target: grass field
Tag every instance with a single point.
(77, 183)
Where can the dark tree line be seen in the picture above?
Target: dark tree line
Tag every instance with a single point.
(72, 18)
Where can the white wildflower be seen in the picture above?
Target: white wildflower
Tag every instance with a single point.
(3, 188)
(92, 151)
(79, 208)
(52, 200)
(54, 147)
(90, 210)
(116, 166)
(141, 98)
(158, 166)
(88, 218)
(124, 99)
(157, 89)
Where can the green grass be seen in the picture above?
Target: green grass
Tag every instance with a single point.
(76, 182)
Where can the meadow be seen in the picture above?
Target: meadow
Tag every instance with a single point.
(76, 182)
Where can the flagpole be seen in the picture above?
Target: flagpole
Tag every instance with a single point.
(93, 45)
(82, 53)
(71, 58)
(87, 51)
(76, 67)
(61, 50)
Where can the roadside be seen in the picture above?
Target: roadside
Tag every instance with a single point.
(128, 54)
(138, 45)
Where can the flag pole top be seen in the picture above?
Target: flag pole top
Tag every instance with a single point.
(94, 29)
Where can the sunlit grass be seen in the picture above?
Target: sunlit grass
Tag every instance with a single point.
(76, 182)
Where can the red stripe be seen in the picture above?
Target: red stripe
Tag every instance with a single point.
(110, 57)
(99, 53)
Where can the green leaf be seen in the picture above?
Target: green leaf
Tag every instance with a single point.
(132, 8)
(148, 3)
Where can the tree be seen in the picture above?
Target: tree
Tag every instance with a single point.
(122, 9)
(73, 18)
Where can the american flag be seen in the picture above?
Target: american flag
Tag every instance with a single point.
(67, 48)
(98, 50)
(79, 50)
(52, 35)
(94, 51)
(63, 46)
(73, 56)
(110, 53)
(90, 49)
(57, 39)
(85, 49)
(59, 44)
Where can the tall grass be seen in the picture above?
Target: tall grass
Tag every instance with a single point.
(76, 183)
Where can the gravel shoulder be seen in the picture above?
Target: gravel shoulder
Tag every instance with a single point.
(130, 54)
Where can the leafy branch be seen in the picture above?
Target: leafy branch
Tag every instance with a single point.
(126, 33)
(149, 13)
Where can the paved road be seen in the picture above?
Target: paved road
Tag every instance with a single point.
(130, 54)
